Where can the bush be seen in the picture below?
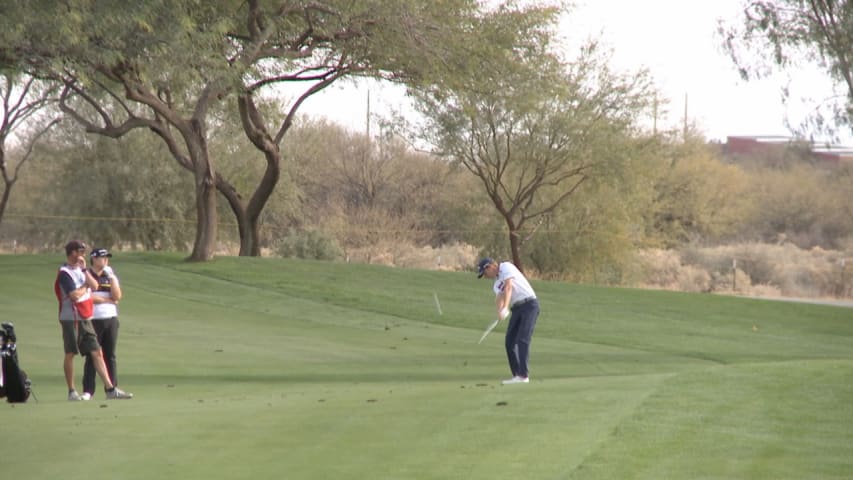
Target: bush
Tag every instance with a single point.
(739, 282)
(310, 245)
(761, 270)
(801, 204)
(451, 257)
(664, 269)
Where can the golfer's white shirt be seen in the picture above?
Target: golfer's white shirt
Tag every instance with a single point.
(105, 310)
(521, 288)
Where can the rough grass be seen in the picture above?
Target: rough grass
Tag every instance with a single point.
(269, 368)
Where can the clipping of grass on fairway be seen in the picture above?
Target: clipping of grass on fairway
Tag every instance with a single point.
(272, 368)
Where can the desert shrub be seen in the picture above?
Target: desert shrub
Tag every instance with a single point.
(693, 279)
(802, 204)
(757, 262)
(310, 245)
(660, 267)
(732, 282)
(773, 270)
(664, 269)
(765, 291)
(453, 257)
(808, 276)
(715, 260)
(761, 261)
(784, 268)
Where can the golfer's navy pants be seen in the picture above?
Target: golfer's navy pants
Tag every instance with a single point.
(107, 331)
(518, 335)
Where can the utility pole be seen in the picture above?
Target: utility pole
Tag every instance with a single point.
(366, 151)
(734, 275)
(655, 116)
(367, 117)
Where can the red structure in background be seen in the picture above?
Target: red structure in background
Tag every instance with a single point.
(747, 145)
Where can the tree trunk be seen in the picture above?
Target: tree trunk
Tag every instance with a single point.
(261, 196)
(252, 247)
(514, 240)
(205, 189)
(8, 180)
(515, 249)
(248, 215)
(205, 237)
(247, 227)
(4, 200)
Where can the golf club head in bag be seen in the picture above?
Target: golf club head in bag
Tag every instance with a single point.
(14, 384)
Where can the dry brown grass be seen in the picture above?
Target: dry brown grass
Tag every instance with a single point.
(454, 257)
(750, 269)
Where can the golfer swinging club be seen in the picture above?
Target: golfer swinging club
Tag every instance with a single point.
(516, 300)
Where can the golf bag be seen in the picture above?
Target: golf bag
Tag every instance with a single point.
(14, 384)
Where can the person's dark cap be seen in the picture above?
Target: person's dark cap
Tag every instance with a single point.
(100, 252)
(481, 267)
(73, 246)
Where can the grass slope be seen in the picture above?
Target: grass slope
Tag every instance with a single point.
(269, 368)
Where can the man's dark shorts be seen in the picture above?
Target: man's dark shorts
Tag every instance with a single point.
(79, 337)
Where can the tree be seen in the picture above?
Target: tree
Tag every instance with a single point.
(697, 197)
(131, 191)
(594, 237)
(156, 59)
(319, 43)
(535, 129)
(373, 194)
(782, 33)
(801, 205)
(170, 62)
(25, 101)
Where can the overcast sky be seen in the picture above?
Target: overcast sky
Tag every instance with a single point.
(676, 41)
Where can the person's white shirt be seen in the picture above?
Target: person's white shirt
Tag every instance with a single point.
(521, 289)
(105, 309)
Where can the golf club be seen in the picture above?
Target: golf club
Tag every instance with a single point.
(488, 330)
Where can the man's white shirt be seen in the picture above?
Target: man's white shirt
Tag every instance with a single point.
(521, 288)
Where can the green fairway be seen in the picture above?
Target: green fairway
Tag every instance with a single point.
(286, 369)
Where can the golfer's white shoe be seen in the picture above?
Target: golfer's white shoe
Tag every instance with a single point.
(515, 380)
(119, 394)
(86, 396)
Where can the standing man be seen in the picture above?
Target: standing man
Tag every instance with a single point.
(73, 287)
(105, 321)
(516, 300)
